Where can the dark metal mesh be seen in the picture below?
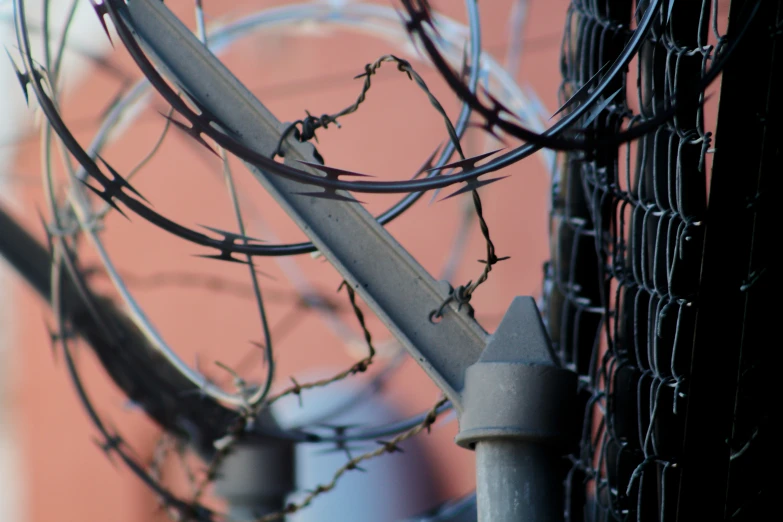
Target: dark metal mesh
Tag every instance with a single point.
(626, 254)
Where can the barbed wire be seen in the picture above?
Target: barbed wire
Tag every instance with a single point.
(589, 101)
(358, 367)
(391, 446)
(135, 92)
(114, 189)
(226, 445)
(304, 130)
(34, 75)
(596, 225)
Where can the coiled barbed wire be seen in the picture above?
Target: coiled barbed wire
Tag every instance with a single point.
(140, 317)
(43, 87)
(589, 102)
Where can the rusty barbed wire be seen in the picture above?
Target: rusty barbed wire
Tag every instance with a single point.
(113, 187)
(462, 294)
(112, 443)
(391, 446)
(116, 188)
(225, 445)
(304, 130)
(605, 217)
(358, 367)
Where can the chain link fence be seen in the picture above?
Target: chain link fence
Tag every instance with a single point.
(625, 292)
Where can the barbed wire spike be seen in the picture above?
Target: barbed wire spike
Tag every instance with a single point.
(583, 92)
(429, 163)
(226, 247)
(422, 16)
(106, 196)
(354, 466)
(24, 78)
(467, 163)
(231, 237)
(427, 166)
(497, 106)
(260, 346)
(472, 185)
(108, 446)
(225, 255)
(489, 128)
(297, 390)
(101, 11)
(599, 108)
(390, 447)
(332, 174)
(120, 181)
(340, 447)
(193, 131)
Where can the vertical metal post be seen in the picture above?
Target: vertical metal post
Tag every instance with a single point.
(517, 482)
(518, 414)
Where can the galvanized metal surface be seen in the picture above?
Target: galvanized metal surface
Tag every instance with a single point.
(517, 483)
(519, 410)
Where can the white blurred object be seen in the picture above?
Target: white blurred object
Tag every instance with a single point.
(86, 33)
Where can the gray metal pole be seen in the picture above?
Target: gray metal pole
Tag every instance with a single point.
(518, 416)
(516, 482)
(397, 288)
(514, 400)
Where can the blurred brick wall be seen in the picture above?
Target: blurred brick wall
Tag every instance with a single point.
(65, 475)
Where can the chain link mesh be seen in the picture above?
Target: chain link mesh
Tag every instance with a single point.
(633, 216)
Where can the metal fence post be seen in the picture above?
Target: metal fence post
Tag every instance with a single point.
(518, 415)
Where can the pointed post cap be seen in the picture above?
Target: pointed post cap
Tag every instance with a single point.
(521, 337)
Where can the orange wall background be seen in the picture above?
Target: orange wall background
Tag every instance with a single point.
(64, 476)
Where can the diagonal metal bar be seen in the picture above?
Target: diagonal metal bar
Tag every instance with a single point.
(397, 288)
